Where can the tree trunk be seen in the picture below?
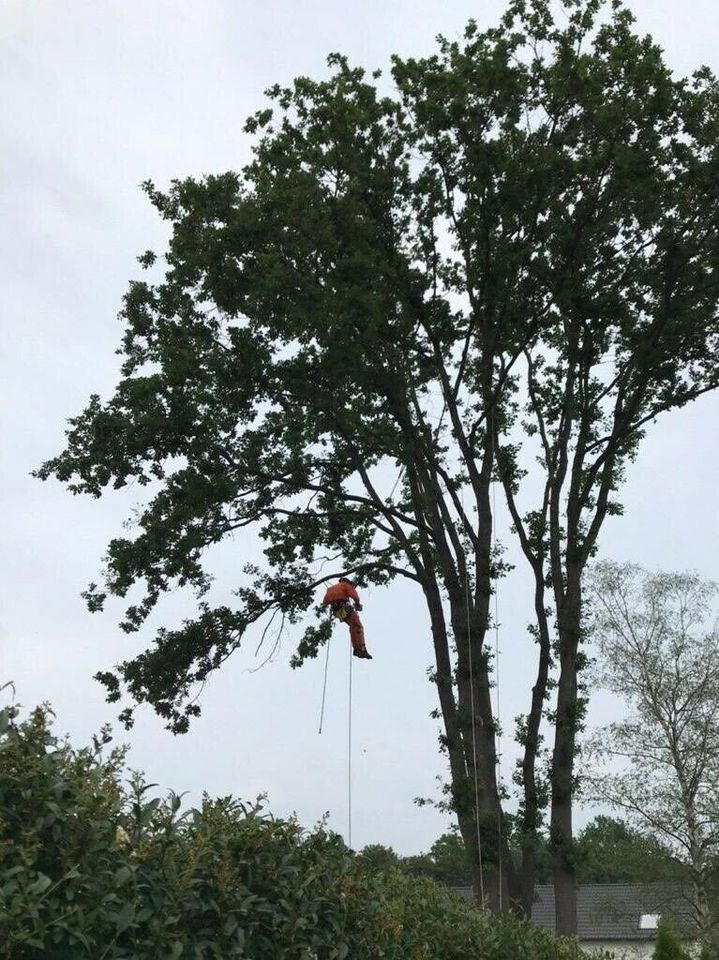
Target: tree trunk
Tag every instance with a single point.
(699, 873)
(532, 812)
(457, 739)
(561, 833)
(494, 879)
(481, 807)
(479, 732)
(702, 909)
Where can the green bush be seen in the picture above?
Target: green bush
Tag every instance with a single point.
(667, 945)
(92, 868)
(414, 918)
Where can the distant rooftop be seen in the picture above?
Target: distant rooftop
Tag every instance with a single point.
(614, 911)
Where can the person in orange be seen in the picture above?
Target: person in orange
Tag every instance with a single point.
(344, 602)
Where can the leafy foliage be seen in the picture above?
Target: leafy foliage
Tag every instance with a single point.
(668, 946)
(376, 858)
(612, 851)
(608, 850)
(91, 868)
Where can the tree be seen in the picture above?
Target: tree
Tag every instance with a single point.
(446, 862)
(668, 945)
(378, 858)
(612, 851)
(608, 850)
(660, 653)
(618, 306)
(345, 337)
(451, 863)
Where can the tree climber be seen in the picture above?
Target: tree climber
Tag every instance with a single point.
(344, 602)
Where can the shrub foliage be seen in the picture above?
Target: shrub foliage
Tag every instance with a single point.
(93, 866)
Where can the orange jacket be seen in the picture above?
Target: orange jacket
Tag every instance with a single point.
(339, 592)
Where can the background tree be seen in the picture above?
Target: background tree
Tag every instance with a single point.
(343, 342)
(377, 857)
(450, 861)
(668, 946)
(608, 850)
(659, 651)
(612, 851)
(447, 861)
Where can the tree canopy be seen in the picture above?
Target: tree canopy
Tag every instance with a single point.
(399, 299)
(612, 851)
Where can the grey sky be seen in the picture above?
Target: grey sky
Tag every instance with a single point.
(98, 96)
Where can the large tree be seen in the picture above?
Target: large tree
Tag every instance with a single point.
(658, 644)
(346, 334)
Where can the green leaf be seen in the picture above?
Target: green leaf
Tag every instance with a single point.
(40, 885)
(123, 875)
(124, 917)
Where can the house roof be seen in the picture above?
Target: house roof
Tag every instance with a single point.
(612, 911)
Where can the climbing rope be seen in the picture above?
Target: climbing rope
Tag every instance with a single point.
(498, 733)
(349, 760)
(474, 727)
(349, 738)
(324, 685)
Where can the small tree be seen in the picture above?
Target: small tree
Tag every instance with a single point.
(668, 946)
(659, 651)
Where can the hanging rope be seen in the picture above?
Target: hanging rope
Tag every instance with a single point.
(349, 738)
(474, 728)
(349, 761)
(399, 477)
(498, 734)
(324, 685)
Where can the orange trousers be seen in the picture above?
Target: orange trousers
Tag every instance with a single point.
(356, 631)
(351, 618)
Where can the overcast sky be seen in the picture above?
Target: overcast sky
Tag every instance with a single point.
(99, 95)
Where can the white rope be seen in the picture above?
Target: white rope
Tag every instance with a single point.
(349, 761)
(349, 739)
(474, 731)
(324, 685)
(399, 477)
(498, 733)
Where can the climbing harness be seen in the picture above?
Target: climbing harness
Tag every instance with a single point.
(341, 610)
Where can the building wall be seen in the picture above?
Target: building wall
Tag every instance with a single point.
(622, 949)
(631, 950)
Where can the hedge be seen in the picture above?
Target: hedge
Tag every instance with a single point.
(92, 866)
